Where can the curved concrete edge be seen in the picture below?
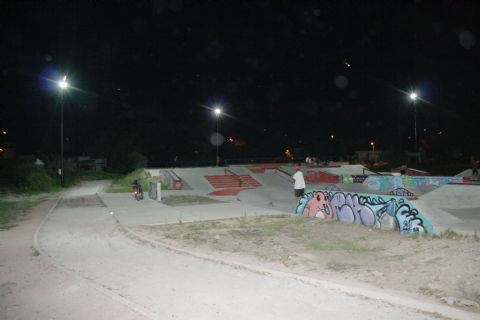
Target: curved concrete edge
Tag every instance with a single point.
(441, 220)
(44, 255)
(430, 308)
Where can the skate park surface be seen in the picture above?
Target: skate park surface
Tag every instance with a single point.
(274, 196)
(446, 203)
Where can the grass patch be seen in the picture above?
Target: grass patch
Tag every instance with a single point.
(123, 183)
(35, 252)
(451, 234)
(206, 226)
(11, 211)
(338, 245)
(187, 200)
(263, 226)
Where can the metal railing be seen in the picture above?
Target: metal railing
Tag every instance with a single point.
(236, 176)
(284, 174)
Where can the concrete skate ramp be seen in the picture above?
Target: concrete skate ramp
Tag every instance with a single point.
(276, 193)
(466, 173)
(347, 170)
(194, 177)
(454, 196)
(375, 211)
(455, 207)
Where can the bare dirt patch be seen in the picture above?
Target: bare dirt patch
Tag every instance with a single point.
(32, 288)
(187, 200)
(444, 268)
(80, 202)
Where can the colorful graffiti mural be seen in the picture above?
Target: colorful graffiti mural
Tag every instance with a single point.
(353, 179)
(393, 182)
(402, 192)
(332, 187)
(377, 211)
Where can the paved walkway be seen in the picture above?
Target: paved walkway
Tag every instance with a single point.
(147, 211)
(81, 236)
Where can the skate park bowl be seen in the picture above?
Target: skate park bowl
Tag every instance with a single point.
(350, 193)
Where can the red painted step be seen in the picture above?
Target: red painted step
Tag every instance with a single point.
(231, 181)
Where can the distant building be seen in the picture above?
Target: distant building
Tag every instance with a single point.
(368, 155)
(91, 164)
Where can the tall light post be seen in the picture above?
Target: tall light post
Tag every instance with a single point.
(413, 99)
(63, 85)
(372, 144)
(218, 112)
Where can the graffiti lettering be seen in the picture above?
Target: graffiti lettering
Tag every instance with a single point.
(402, 192)
(393, 182)
(376, 211)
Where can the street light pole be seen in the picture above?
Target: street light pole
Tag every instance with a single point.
(61, 140)
(372, 144)
(63, 84)
(413, 97)
(217, 111)
(217, 140)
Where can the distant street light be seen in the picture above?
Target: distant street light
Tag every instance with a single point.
(413, 99)
(218, 112)
(372, 144)
(63, 85)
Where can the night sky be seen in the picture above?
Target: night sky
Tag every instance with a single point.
(288, 74)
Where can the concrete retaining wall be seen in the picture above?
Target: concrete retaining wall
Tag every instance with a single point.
(377, 211)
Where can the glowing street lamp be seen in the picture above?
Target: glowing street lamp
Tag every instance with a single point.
(413, 99)
(218, 111)
(63, 85)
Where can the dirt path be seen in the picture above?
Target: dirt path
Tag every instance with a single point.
(32, 288)
(83, 237)
(442, 269)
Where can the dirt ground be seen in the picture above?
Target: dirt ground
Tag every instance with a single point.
(444, 268)
(32, 288)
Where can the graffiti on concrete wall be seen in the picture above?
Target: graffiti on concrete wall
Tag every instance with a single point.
(393, 182)
(377, 211)
(353, 179)
(332, 187)
(402, 192)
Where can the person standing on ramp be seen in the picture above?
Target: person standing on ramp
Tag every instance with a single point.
(299, 184)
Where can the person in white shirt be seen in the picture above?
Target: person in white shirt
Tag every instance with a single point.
(299, 184)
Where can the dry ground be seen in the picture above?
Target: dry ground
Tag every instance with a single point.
(32, 288)
(446, 268)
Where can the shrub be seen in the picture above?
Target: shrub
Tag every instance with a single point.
(29, 177)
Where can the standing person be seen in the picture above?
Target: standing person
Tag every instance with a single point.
(299, 184)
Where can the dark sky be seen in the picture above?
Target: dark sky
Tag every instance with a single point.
(287, 73)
